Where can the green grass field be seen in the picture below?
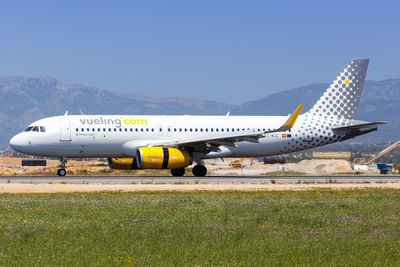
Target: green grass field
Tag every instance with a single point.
(321, 227)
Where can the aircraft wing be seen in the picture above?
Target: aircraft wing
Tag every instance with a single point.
(212, 143)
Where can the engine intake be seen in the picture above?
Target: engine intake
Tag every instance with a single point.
(122, 163)
(162, 158)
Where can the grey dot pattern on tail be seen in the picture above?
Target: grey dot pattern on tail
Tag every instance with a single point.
(342, 98)
(336, 107)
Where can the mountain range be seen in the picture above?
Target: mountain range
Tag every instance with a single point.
(24, 100)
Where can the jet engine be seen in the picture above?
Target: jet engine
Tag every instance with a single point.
(122, 163)
(162, 158)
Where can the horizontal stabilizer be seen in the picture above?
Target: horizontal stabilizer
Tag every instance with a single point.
(360, 126)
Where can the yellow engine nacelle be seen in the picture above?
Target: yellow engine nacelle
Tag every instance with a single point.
(122, 163)
(162, 158)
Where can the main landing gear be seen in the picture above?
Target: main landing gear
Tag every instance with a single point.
(178, 172)
(198, 170)
(62, 171)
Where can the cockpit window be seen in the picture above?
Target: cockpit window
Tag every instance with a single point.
(36, 129)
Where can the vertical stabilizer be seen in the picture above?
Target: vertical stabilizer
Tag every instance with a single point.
(342, 98)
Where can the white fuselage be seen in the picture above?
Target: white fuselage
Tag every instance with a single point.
(81, 136)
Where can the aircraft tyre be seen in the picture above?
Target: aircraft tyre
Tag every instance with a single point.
(61, 172)
(178, 172)
(199, 170)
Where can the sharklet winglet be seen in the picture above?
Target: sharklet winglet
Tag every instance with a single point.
(290, 121)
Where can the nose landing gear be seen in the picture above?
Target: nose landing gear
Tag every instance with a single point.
(62, 171)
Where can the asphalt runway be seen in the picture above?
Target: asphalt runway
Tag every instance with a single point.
(196, 180)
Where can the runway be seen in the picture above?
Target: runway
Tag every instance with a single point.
(197, 180)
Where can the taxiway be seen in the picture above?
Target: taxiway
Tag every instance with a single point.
(197, 180)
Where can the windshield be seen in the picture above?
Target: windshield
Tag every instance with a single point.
(36, 129)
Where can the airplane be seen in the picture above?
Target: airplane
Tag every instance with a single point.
(175, 142)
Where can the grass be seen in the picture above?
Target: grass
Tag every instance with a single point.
(321, 227)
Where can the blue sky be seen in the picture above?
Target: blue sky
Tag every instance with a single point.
(230, 51)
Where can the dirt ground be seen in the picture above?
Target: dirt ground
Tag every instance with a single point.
(68, 188)
(12, 167)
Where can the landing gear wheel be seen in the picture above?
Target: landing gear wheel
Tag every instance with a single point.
(199, 170)
(178, 172)
(61, 172)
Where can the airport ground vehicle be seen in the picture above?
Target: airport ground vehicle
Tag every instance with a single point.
(385, 168)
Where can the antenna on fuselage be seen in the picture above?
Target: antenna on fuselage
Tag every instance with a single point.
(227, 114)
(66, 113)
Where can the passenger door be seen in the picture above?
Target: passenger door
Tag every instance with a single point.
(65, 130)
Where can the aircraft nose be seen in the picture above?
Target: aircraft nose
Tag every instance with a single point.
(16, 142)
